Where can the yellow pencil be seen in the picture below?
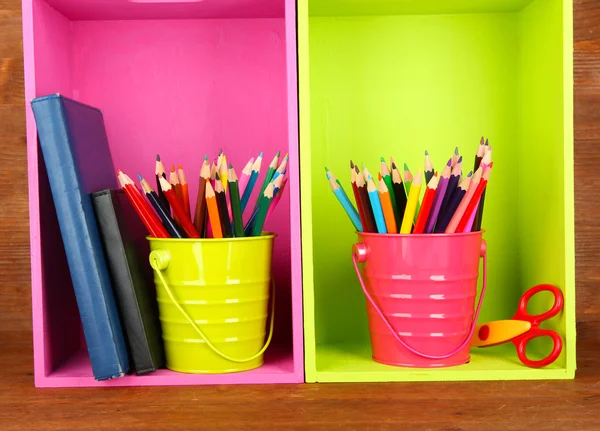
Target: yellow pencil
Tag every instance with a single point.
(411, 206)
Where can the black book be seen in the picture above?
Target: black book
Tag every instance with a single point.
(126, 248)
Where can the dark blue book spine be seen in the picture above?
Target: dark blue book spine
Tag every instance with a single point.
(83, 248)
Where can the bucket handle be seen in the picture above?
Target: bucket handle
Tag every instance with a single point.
(158, 263)
(360, 253)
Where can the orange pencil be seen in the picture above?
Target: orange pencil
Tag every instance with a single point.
(426, 204)
(142, 207)
(184, 220)
(386, 205)
(213, 211)
(200, 213)
(185, 195)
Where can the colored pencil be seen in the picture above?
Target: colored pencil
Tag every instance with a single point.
(222, 207)
(411, 206)
(141, 206)
(282, 169)
(385, 197)
(487, 160)
(426, 204)
(174, 181)
(200, 211)
(160, 173)
(479, 154)
(183, 220)
(251, 182)
(236, 204)
(223, 172)
(213, 211)
(277, 183)
(458, 196)
(428, 168)
(245, 177)
(408, 179)
(265, 203)
(460, 210)
(330, 174)
(439, 197)
(361, 211)
(268, 176)
(455, 156)
(164, 215)
(450, 191)
(475, 199)
(277, 198)
(365, 202)
(185, 194)
(346, 204)
(399, 192)
(376, 205)
(387, 179)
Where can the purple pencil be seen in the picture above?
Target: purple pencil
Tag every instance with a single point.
(450, 192)
(439, 197)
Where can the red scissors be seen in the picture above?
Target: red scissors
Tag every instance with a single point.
(523, 327)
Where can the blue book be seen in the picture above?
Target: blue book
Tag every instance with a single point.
(78, 161)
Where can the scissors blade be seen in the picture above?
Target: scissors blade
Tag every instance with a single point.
(498, 332)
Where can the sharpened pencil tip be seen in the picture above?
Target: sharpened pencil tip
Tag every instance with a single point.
(231, 166)
(217, 177)
(158, 157)
(383, 160)
(179, 166)
(119, 171)
(405, 166)
(172, 168)
(394, 166)
(220, 151)
(487, 142)
(140, 176)
(426, 152)
(260, 155)
(470, 174)
(482, 142)
(351, 165)
(449, 162)
(278, 153)
(206, 157)
(456, 151)
(459, 160)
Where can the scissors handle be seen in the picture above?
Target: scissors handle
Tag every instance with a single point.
(535, 320)
(521, 342)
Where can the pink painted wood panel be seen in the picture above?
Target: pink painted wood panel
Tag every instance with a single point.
(181, 88)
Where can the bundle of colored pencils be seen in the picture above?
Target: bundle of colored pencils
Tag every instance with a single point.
(221, 201)
(452, 202)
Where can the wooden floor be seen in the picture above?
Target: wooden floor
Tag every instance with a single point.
(567, 405)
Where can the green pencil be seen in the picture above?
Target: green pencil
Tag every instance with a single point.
(261, 217)
(236, 205)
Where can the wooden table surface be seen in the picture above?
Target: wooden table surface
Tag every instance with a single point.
(562, 405)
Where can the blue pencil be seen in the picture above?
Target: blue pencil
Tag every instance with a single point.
(251, 182)
(376, 205)
(346, 204)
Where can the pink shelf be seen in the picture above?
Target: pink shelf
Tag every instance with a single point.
(77, 372)
(223, 77)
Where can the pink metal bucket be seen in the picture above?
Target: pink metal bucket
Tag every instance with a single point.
(421, 292)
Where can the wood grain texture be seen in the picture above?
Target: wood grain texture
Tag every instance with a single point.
(564, 405)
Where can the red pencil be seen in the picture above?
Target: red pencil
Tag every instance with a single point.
(361, 212)
(185, 195)
(426, 204)
(184, 220)
(142, 207)
(475, 199)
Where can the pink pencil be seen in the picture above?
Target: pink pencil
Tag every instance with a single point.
(464, 202)
(245, 177)
(277, 198)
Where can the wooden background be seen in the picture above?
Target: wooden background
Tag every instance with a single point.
(564, 405)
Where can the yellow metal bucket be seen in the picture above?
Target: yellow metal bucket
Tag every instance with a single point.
(213, 299)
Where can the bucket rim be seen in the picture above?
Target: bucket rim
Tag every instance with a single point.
(266, 236)
(420, 235)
